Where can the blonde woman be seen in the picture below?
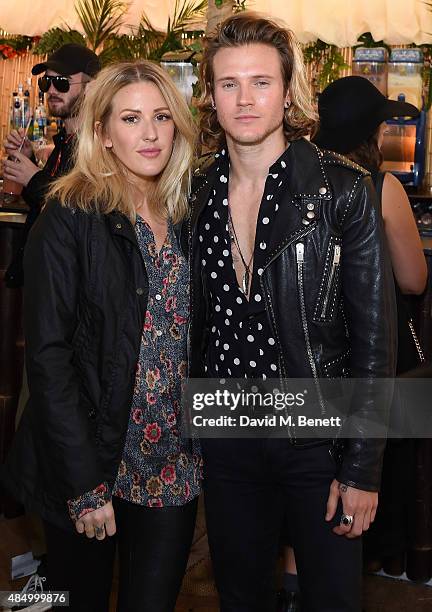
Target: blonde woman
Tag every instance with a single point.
(98, 454)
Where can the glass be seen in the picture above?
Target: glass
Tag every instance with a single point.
(12, 187)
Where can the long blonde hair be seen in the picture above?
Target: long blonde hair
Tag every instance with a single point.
(248, 28)
(99, 182)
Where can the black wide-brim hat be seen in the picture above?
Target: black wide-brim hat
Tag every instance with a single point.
(350, 110)
(70, 59)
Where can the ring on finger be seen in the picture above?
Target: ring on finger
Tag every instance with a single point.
(346, 520)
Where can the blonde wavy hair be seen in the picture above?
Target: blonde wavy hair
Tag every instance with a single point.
(247, 28)
(99, 182)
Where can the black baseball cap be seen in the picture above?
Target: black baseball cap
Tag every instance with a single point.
(350, 110)
(70, 59)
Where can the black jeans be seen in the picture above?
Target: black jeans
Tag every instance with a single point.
(253, 488)
(153, 547)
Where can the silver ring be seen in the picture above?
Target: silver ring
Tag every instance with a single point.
(346, 520)
(99, 531)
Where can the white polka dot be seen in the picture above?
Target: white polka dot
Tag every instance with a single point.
(227, 322)
(223, 179)
(217, 343)
(257, 297)
(223, 152)
(237, 361)
(225, 252)
(261, 352)
(203, 261)
(259, 327)
(229, 371)
(221, 356)
(263, 245)
(217, 368)
(275, 176)
(264, 377)
(209, 251)
(226, 346)
(216, 214)
(250, 338)
(277, 207)
(225, 202)
(214, 328)
(271, 341)
(207, 226)
(226, 287)
(229, 311)
(241, 324)
(235, 336)
(280, 184)
(221, 263)
(269, 197)
(265, 220)
(210, 202)
(273, 367)
(214, 191)
(201, 238)
(217, 308)
(239, 300)
(213, 275)
(252, 364)
(260, 271)
(215, 239)
(283, 164)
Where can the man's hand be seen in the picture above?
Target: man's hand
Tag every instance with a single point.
(362, 505)
(21, 170)
(98, 522)
(13, 142)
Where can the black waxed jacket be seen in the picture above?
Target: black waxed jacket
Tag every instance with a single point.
(327, 286)
(85, 299)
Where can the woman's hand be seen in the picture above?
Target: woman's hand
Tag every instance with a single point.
(98, 523)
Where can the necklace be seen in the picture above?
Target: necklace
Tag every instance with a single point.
(247, 272)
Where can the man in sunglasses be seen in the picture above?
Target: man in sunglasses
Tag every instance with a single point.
(67, 72)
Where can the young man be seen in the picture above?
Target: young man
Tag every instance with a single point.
(272, 215)
(67, 72)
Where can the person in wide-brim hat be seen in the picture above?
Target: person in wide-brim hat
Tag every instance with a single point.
(351, 109)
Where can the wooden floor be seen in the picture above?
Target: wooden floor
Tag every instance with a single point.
(380, 594)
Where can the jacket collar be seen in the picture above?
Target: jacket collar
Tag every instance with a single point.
(306, 190)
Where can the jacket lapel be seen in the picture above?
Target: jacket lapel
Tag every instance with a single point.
(305, 191)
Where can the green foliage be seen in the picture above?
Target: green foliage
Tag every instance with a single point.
(327, 62)
(55, 38)
(100, 19)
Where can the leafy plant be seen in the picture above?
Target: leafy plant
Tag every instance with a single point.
(55, 38)
(100, 19)
(327, 63)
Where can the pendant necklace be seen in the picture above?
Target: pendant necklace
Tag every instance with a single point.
(247, 273)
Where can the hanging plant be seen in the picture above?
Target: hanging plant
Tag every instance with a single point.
(327, 63)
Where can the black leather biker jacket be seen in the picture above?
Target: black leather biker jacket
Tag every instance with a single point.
(327, 285)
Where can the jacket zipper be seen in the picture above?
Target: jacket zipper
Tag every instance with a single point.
(300, 284)
(334, 267)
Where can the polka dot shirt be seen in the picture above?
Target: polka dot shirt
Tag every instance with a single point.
(241, 343)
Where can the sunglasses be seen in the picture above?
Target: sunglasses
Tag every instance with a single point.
(60, 83)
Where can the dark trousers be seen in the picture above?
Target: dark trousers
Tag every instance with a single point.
(253, 488)
(153, 548)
